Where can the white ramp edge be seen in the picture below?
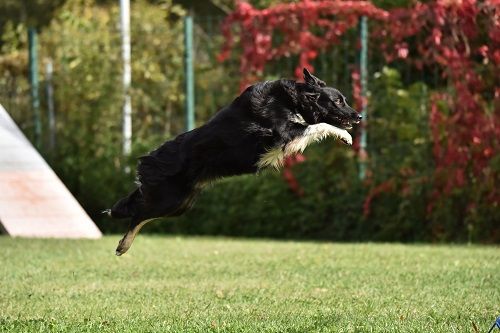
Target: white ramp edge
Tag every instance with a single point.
(33, 200)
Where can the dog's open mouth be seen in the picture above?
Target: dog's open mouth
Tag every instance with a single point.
(347, 124)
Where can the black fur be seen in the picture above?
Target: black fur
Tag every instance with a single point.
(231, 143)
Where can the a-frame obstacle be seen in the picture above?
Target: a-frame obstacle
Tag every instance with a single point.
(33, 200)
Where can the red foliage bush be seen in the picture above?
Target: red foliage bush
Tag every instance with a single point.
(294, 22)
(459, 38)
(462, 38)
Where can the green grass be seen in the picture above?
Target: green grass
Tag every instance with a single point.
(168, 284)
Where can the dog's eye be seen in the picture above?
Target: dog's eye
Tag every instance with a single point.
(338, 101)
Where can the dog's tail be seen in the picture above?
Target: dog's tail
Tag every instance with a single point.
(126, 207)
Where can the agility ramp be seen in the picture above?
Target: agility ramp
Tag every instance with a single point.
(33, 200)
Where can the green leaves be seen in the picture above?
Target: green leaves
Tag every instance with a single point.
(37, 13)
(83, 43)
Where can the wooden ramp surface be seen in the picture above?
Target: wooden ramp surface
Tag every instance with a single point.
(33, 200)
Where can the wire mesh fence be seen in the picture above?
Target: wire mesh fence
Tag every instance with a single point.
(89, 68)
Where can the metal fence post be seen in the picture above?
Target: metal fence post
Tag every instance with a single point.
(33, 75)
(50, 103)
(127, 76)
(189, 72)
(364, 77)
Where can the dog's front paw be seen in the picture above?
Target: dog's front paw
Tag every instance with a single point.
(346, 138)
(347, 141)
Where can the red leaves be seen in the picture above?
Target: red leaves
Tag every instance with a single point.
(294, 23)
(356, 89)
(288, 175)
(465, 134)
(450, 36)
(386, 186)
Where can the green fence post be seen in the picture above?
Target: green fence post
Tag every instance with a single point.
(364, 76)
(33, 75)
(189, 72)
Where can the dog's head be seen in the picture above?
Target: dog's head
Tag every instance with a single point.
(322, 104)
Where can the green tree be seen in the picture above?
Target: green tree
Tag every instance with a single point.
(84, 43)
(36, 13)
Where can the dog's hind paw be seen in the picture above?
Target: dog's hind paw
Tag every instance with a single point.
(123, 247)
(125, 243)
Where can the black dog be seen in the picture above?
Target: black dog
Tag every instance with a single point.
(267, 122)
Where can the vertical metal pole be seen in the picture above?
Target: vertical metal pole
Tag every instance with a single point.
(364, 76)
(127, 77)
(33, 74)
(50, 104)
(189, 72)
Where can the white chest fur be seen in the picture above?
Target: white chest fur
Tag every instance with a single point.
(313, 133)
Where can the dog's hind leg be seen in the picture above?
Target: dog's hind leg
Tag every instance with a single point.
(126, 242)
(137, 222)
(173, 203)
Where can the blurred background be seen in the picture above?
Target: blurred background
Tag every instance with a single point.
(425, 164)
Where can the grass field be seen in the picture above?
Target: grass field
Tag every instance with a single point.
(168, 284)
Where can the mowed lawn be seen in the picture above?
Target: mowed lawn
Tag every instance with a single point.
(177, 284)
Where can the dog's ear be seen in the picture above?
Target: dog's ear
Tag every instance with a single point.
(312, 80)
